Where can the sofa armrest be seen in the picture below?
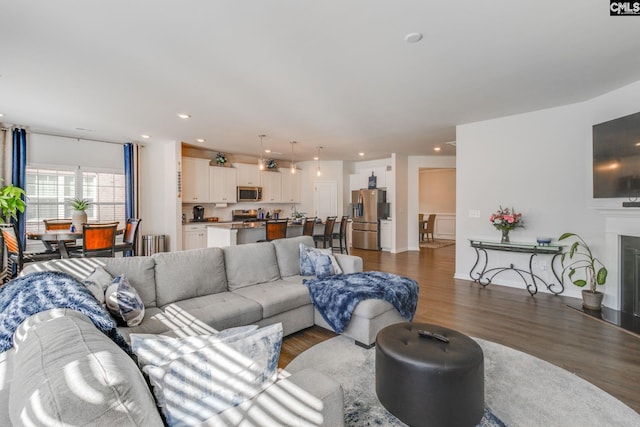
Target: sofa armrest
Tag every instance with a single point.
(349, 263)
(306, 398)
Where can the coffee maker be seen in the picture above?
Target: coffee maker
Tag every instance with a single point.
(198, 213)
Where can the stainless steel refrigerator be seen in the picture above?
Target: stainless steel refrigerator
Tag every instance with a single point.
(368, 208)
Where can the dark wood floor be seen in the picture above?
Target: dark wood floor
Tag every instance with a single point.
(542, 326)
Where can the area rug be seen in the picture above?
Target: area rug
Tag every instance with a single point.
(437, 244)
(520, 390)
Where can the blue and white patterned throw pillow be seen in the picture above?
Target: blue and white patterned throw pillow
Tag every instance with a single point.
(124, 302)
(195, 386)
(320, 262)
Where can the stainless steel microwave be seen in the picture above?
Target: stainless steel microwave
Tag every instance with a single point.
(249, 194)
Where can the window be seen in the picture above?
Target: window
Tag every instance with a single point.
(51, 189)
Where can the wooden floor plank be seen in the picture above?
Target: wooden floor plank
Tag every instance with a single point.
(542, 326)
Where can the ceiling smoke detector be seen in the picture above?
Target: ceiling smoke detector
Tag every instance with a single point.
(413, 37)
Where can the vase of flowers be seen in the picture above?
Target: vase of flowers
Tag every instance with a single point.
(505, 220)
(221, 159)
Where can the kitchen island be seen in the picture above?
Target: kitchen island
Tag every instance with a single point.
(239, 233)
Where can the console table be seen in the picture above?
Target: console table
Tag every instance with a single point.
(483, 275)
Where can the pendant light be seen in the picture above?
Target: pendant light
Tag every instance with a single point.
(318, 172)
(261, 161)
(293, 163)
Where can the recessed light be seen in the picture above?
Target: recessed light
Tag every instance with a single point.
(200, 140)
(361, 154)
(266, 150)
(146, 136)
(437, 148)
(1, 115)
(184, 116)
(413, 37)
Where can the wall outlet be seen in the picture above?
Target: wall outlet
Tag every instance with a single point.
(474, 213)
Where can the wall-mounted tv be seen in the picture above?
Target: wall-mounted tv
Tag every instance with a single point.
(616, 158)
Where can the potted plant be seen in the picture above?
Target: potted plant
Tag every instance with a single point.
(579, 259)
(221, 159)
(79, 215)
(11, 202)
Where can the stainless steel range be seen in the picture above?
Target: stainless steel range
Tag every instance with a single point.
(244, 214)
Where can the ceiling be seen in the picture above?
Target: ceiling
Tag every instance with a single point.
(336, 74)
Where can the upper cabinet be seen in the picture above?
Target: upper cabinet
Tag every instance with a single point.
(195, 180)
(271, 183)
(222, 184)
(248, 175)
(291, 186)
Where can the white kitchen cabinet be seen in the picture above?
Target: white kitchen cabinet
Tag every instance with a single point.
(195, 180)
(248, 174)
(291, 186)
(385, 234)
(194, 236)
(379, 171)
(222, 185)
(271, 183)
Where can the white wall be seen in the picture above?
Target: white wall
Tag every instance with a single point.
(539, 163)
(160, 207)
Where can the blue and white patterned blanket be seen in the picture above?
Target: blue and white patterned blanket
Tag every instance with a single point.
(336, 297)
(44, 290)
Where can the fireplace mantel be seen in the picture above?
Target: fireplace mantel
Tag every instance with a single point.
(618, 222)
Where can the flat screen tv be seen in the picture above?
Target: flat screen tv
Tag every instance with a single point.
(616, 158)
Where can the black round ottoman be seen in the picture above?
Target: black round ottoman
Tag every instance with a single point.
(426, 381)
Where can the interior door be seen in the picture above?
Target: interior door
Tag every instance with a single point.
(325, 198)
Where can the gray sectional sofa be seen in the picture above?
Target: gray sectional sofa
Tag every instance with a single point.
(190, 292)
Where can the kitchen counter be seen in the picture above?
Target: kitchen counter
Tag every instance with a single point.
(238, 233)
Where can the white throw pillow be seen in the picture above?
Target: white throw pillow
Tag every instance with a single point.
(320, 262)
(195, 386)
(159, 350)
(98, 282)
(124, 302)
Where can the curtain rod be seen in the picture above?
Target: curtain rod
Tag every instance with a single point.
(70, 137)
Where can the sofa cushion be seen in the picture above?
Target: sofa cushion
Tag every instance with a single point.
(250, 264)
(222, 310)
(82, 378)
(276, 297)
(288, 253)
(139, 270)
(188, 274)
(155, 321)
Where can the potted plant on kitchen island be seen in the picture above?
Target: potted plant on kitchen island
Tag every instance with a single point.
(589, 269)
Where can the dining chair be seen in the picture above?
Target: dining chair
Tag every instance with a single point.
(420, 226)
(429, 228)
(275, 229)
(129, 245)
(57, 224)
(97, 240)
(307, 227)
(17, 256)
(342, 235)
(327, 235)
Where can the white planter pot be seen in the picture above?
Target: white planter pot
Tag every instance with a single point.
(78, 218)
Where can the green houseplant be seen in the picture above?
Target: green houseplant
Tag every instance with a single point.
(79, 215)
(11, 202)
(590, 270)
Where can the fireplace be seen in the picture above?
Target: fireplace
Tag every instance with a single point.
(630, 275)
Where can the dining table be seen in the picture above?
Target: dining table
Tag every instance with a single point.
(59, 238)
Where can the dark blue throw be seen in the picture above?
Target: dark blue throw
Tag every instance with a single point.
(336, 297)
(44, 290)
